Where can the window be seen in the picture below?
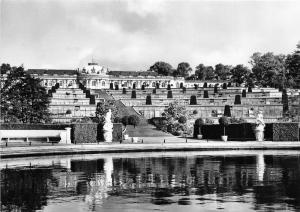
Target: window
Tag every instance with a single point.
(94, 83)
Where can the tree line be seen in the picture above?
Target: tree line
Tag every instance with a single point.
(267, 70)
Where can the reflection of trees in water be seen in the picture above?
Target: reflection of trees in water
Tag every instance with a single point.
(25, 189)
(160, 178)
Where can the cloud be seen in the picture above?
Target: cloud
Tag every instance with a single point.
(132, 35)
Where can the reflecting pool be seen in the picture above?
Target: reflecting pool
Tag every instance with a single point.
(164, 181)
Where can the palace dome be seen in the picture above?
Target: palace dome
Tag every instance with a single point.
(94, 68)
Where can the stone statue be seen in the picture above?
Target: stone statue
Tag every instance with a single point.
(108, 127)
(260, 126)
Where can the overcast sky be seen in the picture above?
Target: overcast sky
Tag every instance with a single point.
(132, 35)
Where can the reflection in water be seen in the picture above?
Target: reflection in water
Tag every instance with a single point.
(191, 182)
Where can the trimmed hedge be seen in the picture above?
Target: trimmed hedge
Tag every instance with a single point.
(124, 91)
(170, 95)
(117, 132)
(193, 100)
(85, 133)
(285, 131)
(133, 94)
(8, 126)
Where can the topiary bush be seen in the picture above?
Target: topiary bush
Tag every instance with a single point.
(205, 85)
(124, 91)
(125, 120)
(157, 85)
(154, 91)
(197, 127)
(193, 100)
(184, 90)
(148, 100)
(249, 89)
(205, 94)
(224, 122)
(133, 94)
(143, 87)
(224, 86)
(133, 86)
(111, 86)
(237, 99)
(170, 95)
(244, 94)
(116, 87)
(216, 89)
(227, 111)
(181, 85)
(169, 87)
(68, 112)
(196, 86)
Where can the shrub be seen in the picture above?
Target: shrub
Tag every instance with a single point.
(157, 85)
(86, 120)
(249, 89)
(229, 84)
(244, 94)
(133, 86)
(133, 94)
(193, 100)
(182, 119)
(85, 133)
(134, 120)
(196, 86)
(124, 91)
(195, 112)
(199, 122)
(10, 119)
(209, 121)
(205, 85)
(143, 87)
(224, 86)
(125, 120)
(111, 86)
(116, 87)
(227, 111)
(117, 120)
(181, 85)
(205, 94)
(224, 121)
(285, 132)
(170, 95)
(148, 100)
(154, 91)
(184, 90)
(237, 99)
(68, 112)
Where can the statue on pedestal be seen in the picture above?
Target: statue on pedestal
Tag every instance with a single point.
(108, 127)
(260, 127)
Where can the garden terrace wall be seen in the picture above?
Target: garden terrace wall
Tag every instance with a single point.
(207, 111)
(8, 126)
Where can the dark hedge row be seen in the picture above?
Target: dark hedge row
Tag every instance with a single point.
(80, 133)
(245, 132)
(8, 126)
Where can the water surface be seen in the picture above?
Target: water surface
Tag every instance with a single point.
(178, 181)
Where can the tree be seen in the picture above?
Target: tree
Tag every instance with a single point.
(239, 74)
(133, 120)
(103, 107)
(5, 68)
(183, 70)
(204, 72)
(24, 97)
(162, 68)
(293, 68)
(268, 69)
(222, 71)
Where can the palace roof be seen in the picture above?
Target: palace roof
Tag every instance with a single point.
(132, 73)
(52, 71)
